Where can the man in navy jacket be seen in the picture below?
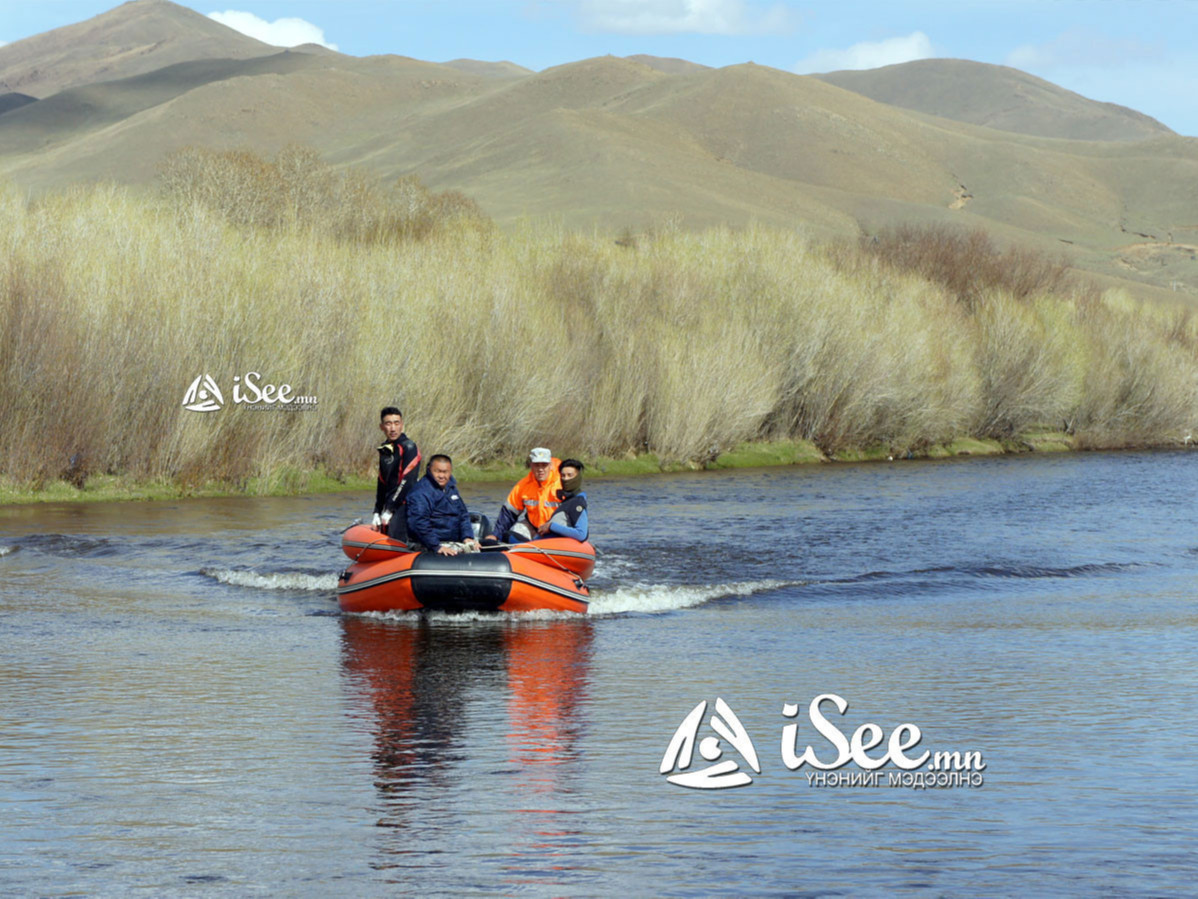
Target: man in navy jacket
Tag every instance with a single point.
(437, 515)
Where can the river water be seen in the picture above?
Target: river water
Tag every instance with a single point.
(183, 711)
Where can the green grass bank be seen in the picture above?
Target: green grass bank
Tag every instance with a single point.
(292, 482)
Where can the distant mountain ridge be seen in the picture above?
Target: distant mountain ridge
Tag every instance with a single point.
(668, 64)
(502, 69)
(997, 97)
(132, 39)
(620, 143)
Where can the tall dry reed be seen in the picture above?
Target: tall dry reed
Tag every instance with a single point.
(683, 344)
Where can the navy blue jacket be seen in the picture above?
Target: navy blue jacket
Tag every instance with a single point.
(437, 515)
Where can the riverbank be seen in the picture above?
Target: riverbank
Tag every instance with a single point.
(760, 454)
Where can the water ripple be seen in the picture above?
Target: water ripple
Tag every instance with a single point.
(322, 582)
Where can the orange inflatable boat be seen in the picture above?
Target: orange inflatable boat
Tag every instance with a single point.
(387, 576)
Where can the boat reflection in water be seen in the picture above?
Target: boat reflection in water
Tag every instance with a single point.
(473, 720)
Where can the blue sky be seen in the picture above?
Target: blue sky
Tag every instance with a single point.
(1139, 53)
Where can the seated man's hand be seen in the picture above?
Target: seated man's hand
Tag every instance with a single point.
(543, 530)
(375, 520)
(447, 551)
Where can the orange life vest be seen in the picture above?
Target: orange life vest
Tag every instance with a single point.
(538, 501)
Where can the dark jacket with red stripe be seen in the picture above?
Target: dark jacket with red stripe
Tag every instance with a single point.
(399, 470)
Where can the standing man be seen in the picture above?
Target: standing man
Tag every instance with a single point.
(532, 501)
(399, 469)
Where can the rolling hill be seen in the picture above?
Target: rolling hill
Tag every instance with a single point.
(502, 69)
(628, 143)
(669, 64)
(997, 97)
(14, 100)
(132, 39)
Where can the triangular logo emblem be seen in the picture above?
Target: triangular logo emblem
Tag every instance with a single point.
(719, 774)
(203, 395)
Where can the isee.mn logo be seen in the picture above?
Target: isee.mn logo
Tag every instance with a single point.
(248, 391)
(717, 775)
(203, 395)
(868, 750)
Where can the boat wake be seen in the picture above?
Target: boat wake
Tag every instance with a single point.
(273, 580)
(666, 598)
(626, 599)
(6, 550)
(631, 599)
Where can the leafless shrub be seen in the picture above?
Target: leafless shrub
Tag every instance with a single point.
(298, 189)
(968, 264)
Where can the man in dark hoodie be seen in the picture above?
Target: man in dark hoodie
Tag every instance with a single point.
(437, 515)
(399, 469)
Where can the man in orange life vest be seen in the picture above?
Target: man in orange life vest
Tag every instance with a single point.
(532, 501)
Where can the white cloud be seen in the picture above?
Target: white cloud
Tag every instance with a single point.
(683, 17)
(869, 54)
(279, 33)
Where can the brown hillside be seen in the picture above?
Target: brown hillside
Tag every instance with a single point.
(68, 115)
(137, 37)
(668, 64)
(626, 143)
(797, 129)
(318, 49)
(122, 129)
(502, 69)
(997, 97)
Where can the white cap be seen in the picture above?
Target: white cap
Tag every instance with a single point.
(540, 454)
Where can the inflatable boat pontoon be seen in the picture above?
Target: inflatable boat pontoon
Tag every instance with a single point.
(387, 576)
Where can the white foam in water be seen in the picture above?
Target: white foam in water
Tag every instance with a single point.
(323, 583)
(661, 598)
(613, 566)
(634, 598)
(5, 550)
